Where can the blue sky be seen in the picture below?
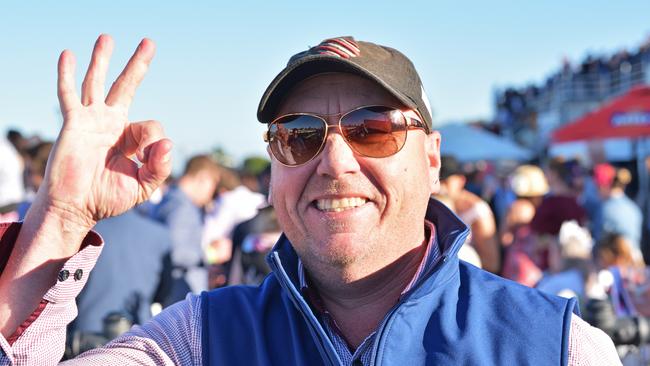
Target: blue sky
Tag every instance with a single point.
(215, 58)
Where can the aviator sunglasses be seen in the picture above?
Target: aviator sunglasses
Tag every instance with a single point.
(371, 131)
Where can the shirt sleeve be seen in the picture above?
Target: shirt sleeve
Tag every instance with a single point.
(173, 337)
(40, 339)
(590, 346)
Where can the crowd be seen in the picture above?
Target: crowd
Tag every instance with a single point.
(594, 80)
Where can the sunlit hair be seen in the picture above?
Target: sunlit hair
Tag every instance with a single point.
(622, 178)
(615, 250)
(201, 163)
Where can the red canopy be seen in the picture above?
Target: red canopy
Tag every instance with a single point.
(625, 116)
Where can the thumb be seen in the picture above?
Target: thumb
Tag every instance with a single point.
(156, 168)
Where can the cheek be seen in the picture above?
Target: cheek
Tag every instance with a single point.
(286, 186)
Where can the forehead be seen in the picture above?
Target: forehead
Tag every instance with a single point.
(334, 93)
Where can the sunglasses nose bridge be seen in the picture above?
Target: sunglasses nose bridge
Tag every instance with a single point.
(332, 123)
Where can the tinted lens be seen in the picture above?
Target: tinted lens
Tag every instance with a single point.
(296, 139)
(375, 131)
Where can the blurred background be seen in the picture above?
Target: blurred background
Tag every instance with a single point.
(543, 107)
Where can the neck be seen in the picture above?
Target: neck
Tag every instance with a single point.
(616, 192)
(358, 305)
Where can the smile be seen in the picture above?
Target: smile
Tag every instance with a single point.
(339, 204)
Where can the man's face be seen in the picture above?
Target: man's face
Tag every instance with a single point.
(383, 200)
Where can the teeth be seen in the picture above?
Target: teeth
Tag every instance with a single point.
(338, 205)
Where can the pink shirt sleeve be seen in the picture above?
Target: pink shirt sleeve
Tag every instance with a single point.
(40, 339)
(590, 346)
(171, 338)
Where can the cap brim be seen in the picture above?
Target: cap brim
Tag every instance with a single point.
(310, 66)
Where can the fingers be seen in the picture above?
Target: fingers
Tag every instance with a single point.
(147, 140)
(123, 89)
(92, 88)
(138, 136)
(68, 98)
(157, 167)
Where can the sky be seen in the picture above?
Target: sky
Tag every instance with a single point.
(215, 58)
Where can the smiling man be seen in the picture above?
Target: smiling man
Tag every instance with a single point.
(366, 272)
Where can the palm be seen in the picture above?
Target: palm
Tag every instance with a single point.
(90, 173)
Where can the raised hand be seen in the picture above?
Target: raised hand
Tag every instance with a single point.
(90, 175)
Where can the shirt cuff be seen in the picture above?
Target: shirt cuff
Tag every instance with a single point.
(74, 274)
(70, 280)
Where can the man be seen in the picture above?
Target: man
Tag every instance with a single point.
(366, 271)
(618, 213)
(181, 210)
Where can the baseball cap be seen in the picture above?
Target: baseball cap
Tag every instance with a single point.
(387, 66)
(604, 175)
(529, 181)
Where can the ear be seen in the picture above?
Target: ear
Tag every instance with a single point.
(269, 196)
(268, 152)
(432, 150)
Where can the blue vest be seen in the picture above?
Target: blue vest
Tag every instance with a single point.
(456, 314)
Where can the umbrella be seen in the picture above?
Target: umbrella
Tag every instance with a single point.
(626, 116)
(467, 143)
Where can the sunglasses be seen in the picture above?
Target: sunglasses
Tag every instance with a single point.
(371, 131)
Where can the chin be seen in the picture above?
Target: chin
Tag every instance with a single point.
(337, 254)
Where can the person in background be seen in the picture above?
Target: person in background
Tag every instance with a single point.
(12, 189)
(517, 220)
(615, 249)
(475, 212)
(560, 204)
(234, 203)
(618, 212)
(36, 164)
(181, 210)
(253, 239)
(127, 274)
(467, 252)
(522, 253)
(570, 269)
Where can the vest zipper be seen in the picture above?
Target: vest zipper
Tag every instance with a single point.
(380, 332)
(388, 318)
(315, 327)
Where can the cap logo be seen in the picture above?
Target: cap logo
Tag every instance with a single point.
(344, 47)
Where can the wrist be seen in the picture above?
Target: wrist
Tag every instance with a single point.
(58, 223)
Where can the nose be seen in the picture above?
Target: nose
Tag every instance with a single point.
(337, 158)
